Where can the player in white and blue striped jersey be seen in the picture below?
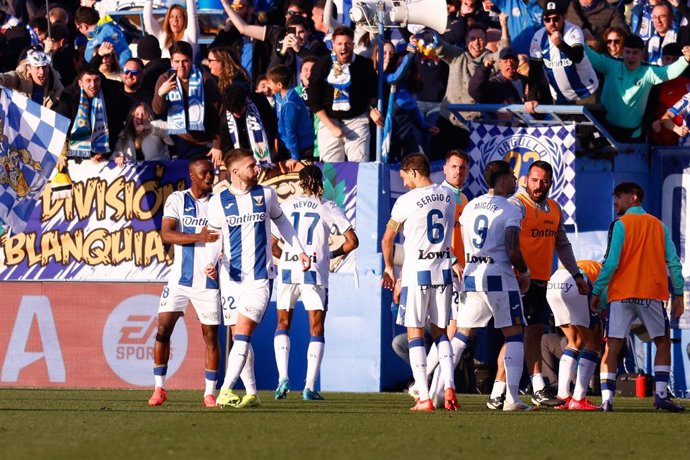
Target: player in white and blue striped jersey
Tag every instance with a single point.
(425, 215)
(184, 226)
(680, 109)
(557, 49)
(314, 219)
(490, 227)
(242, 213)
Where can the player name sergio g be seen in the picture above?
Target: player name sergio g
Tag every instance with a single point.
(431, 198)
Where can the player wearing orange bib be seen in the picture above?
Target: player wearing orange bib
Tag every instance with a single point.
(634, 273)
(542, 233)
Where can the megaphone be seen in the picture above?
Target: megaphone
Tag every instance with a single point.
(429, 13)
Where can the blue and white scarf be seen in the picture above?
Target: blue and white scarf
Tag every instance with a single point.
(339, 77)
(89, 133)
(177, 115)
(255, 131)
(656, 45)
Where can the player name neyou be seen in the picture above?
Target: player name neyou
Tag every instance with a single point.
(305, 204)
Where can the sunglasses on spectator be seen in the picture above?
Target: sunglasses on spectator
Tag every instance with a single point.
(615, 41)
(132, 72)
(293, 13)
(548, 19)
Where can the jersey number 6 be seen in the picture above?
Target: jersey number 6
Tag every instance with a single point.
(435, 231)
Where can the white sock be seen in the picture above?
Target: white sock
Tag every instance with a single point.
(314, 358)
(418, 365)
(498, 389)
(159, 371)
(514, 363)
(661, 374)
(566, 371)
(236, 360)
(431, 360)
(281, 346)
(585, 370)
(433, 386)
(537, 382)
(459, 343)
(608, 386)
(210, 382)
(445, 359)
(247, 375)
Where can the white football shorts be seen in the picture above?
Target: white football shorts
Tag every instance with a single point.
(477, 307)
(247, 297)
(313, 297)
(206, 302)
(567, 304)
(422, 304)
(621, 314)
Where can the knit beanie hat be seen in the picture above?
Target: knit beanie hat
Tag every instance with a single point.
(148, 48)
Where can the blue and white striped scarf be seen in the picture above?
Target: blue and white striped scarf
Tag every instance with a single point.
(194, 114)
(255, 131)
(89, 133)
(656, 44)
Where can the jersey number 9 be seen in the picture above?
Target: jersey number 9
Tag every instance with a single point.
(480, 227)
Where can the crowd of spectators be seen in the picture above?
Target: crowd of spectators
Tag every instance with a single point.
(286, 80)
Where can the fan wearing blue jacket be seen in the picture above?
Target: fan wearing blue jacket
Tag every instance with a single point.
(98, 30)
(295, 128)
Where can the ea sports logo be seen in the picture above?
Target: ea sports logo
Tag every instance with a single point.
(128, 338)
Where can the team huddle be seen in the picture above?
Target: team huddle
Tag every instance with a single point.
(465, 264)
(224, 241)
(499, 260)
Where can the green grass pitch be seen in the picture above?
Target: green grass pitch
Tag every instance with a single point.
(92, 424)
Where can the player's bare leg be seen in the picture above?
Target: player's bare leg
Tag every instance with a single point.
(315, 351)
(497, 397)
(161, 355)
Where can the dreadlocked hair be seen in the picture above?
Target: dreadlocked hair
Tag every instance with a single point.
(311, 180)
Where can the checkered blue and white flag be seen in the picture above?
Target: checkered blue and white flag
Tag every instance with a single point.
(31, 138)
(521, 147)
